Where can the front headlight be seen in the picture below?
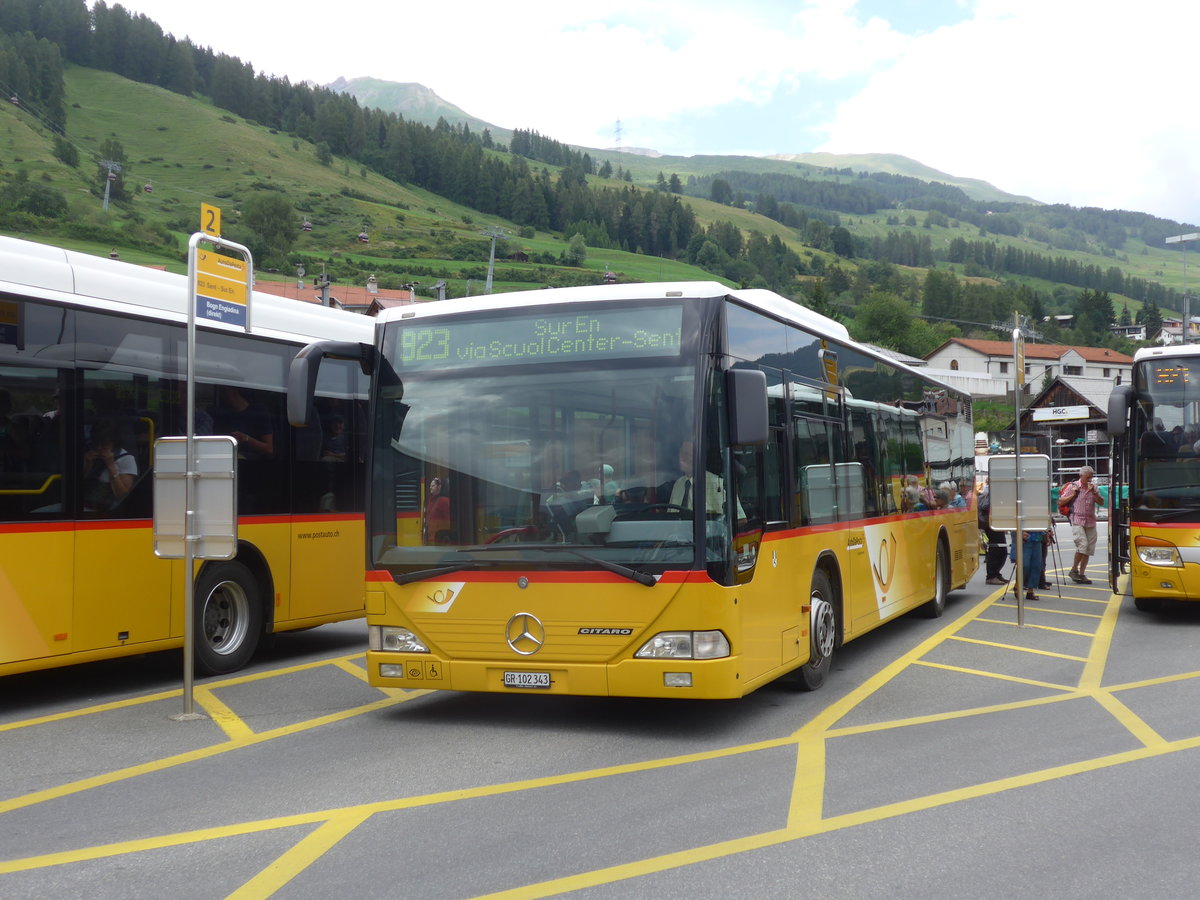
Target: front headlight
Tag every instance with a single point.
(685, 645)
(395, 640)
(1157, 552)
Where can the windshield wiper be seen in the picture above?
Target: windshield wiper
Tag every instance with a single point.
(1163, 515)
(409, 577)
(618, 569)
(615, 568)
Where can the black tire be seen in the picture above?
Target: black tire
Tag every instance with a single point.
(1148, 604)
(934, 608)
(822, 634)
(228, 618)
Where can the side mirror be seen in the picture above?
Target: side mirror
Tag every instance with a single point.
(1119, 402)
(746, 390)
(302, 374)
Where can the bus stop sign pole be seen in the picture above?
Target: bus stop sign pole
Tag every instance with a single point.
(219, 288)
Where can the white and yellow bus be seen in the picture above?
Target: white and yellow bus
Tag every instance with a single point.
(559, 551)
(92, 371)
(1154, 492)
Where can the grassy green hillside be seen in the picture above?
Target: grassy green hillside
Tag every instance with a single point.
(187, 151)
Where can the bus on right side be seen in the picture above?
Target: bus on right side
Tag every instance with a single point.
(1154, 523)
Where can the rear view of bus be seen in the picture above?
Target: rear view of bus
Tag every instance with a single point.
(1155, 425)
(645, 490)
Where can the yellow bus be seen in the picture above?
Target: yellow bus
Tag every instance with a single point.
(569, 545)
(92, 371)
(1154, 493)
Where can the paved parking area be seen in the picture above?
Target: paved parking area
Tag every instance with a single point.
(305, 781)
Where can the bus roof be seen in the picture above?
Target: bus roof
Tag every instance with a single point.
(1172, 350)
(767, 302)
(763, 300)
(67, 276)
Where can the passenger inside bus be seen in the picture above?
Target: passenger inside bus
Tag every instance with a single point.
(247, 422)
(109, 470)
(681, 492)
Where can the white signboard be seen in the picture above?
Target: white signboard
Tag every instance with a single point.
(1059, 413)
(1034, 492)
(214, 524)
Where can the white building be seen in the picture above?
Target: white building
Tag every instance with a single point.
(990, 363)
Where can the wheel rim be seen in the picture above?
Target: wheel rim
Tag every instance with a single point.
(943, 580)
(824, 631)
(226, 618)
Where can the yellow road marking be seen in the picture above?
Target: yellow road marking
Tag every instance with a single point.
(90, 710)
(998, 675)
(158, 765)
(299, 857)
(1012, 624)
(806, 804)
(346, 666)
(229, 721)
(955, 637)
(1051, 612)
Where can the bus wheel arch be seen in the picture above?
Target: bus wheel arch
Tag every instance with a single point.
(230, 610)
(934, 607)
(824, 631)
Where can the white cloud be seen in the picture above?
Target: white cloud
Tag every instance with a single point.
(1078, 102)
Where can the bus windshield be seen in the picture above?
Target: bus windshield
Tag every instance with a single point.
(563, 465)
(1166, 474)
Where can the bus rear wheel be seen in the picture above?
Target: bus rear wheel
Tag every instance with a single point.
(934, 608)
(822, 633)
(228, 618)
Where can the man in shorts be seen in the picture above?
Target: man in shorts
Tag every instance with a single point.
(1083, 497)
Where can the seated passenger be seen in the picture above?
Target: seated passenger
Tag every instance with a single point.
(108, 471)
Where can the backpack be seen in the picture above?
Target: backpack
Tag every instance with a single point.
(1067, 498)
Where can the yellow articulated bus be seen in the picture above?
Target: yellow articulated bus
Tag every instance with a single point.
(92, 372)
(1154, 495)
(651, 490)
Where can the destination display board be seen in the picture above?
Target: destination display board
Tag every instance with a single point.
(221, 288)
(561, 336)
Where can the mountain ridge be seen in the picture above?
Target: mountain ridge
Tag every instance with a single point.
(422, 104)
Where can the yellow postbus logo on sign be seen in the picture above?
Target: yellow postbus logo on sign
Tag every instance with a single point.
(210, 219)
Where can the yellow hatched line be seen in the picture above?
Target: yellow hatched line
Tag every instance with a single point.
(997, 644)
(1152, 682)
(158, 765)
(1131, 720)
(299, 857)
(985, 674)
(365, 810)
(851, 730)
(89, 710)
(346, 666)
(804, 812)
(229, 721)
(1052, 612)
(652, 865)
(1101, 600)
(178, 692)
(808, 786)
(1093, 672)
(1086, 634)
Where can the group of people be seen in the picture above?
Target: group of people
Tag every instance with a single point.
(945, 496)
(1179, 441)
(1078, 500)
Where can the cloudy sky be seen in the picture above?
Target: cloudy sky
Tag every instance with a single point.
(1087, 102)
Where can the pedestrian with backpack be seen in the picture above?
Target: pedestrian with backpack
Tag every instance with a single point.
(1078, 501)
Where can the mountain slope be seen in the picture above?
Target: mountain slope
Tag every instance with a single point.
(893, 163)
(415, 102)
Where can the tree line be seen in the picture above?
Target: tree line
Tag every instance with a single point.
(990, 256)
